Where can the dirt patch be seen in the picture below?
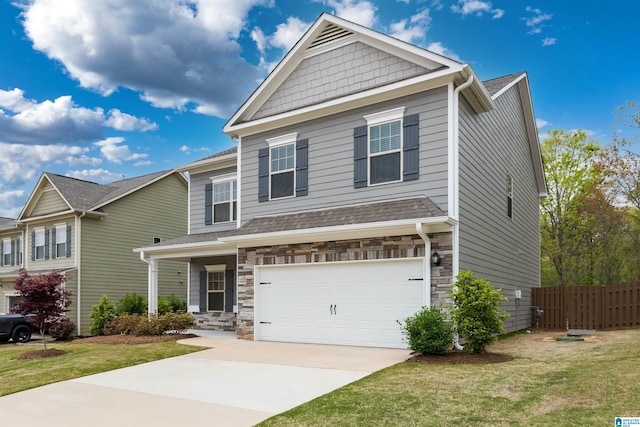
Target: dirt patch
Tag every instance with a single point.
(456, 357)
(131, 339)
(41, 354)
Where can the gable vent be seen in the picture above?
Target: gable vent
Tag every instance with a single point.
(330, 34)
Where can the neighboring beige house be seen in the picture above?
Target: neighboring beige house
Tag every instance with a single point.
(368, 172)
(88, 230)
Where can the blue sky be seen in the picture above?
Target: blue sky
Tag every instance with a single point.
(102, 90)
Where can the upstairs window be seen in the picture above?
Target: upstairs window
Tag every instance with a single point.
(61, 238)
(224, 201)
(283, 168)
(40, 244)
(7, 253)
(509, 196)
(386, 150)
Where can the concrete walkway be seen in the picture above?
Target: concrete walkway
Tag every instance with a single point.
(234, 383)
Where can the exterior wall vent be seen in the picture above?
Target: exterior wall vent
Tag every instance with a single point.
(330, 34)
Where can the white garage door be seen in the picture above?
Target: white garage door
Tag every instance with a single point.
(349, 303)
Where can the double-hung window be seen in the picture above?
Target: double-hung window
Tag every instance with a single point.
(224, 204)
(282, 166)
(509, 196)
(215, 287)
(387, 149)
(61, 238)
(6, 252)
(39, 243)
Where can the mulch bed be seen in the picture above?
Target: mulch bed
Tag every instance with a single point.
(40, 354)
(455, 357)
(131, 339)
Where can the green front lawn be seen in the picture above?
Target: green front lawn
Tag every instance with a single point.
(548, 383)
(80, 360)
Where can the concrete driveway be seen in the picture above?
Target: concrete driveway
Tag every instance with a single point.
(234, 383)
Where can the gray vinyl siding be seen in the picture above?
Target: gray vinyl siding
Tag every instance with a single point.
(198, 182)
(331, 148)
(52, 263)
(339, 72)
(108, 264)
(49, 202)
(497, 248)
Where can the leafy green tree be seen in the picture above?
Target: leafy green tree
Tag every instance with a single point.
(475, 311)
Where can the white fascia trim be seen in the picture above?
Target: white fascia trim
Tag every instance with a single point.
(239, 186)
(383, 93)
(206, 162)
(282, 139)
(215, 267)
(223, 178)
(451, 197)
(384, 116)
(509, 86)
(57, 214)
(184, 249)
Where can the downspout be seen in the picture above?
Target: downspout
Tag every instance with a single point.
(427, 263)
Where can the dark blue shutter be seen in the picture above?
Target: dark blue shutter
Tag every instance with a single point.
(302, 166)
(203, 291)
(18, 248)
(33, 246)
(208, 204)
(263, 175)
(360, 154)
(1, 253)
(54, 249)
(229, 290)
(68, 241)
(46, 244)
(13, 252)
(410, 148)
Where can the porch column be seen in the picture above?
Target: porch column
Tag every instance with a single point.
(152, 296)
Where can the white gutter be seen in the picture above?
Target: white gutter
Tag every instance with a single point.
(426, 263)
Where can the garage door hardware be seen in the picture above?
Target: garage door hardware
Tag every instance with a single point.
(265, 323)
(333, 309)
(416, 279)
(265, 283)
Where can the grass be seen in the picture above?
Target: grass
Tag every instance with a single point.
(80, 360)
(548, 383)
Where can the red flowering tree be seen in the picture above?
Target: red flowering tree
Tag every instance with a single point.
(44, 299)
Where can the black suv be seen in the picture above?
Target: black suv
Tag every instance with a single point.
(16, 327)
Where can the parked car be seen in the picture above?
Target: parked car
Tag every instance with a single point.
(15, 327)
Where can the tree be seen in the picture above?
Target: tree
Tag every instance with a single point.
(43, 298)
(568, 164)
(101, 314)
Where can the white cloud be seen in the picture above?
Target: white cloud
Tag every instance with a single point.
(412, 29)
(361, 12)
(437, 47)
(540, 123)
(95, 175)
(185, 149)
(10, 203)
(26, 121)
(549, 41)
(174, 52)
(477, 7)
(288, 33)
(536, 20)
(257, 35)
(116, 153)
(143, 163)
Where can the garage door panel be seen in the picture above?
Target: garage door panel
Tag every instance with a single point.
(338, 303)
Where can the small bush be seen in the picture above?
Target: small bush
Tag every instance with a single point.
(62, 329)
(428, 332)
(136, 324)
(100, 315)
(132, 304)
(171, 304)
(476, 311)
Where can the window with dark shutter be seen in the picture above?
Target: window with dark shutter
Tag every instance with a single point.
(283, 168)
(229, 292)
(410, 148)
(224, 201)
(208, 204)
(302, 167)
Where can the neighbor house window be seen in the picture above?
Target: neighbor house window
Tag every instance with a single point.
(39, 242)
(509, 196)
(61, 238)
(224, 201)
(215, 287)
(282, 167)
(6, 252)
(19, 251)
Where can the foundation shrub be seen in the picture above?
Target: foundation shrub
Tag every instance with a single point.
(428, 332)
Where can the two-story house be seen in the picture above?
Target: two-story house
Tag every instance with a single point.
(88, 230)
(368, 172)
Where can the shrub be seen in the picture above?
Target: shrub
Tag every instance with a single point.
(132, 304)
(100, 315)
(171, 304)
(136, 324)
(476, 312)
(62, 329)
(428, 332)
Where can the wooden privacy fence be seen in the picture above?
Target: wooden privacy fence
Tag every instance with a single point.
(588, 307)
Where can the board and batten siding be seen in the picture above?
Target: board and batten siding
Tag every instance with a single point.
(339, 72)
(196, 216)
(108, 264)
(331, 156)
(49, 202)
(52, 263)
(505, 251)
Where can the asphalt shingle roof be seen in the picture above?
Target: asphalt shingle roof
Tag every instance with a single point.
(495, 85)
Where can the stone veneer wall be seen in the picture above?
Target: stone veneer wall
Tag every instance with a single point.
(215, 321)
(344, 250)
